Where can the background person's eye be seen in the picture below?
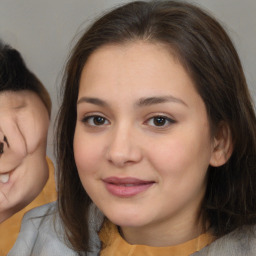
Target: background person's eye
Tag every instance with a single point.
(95, 120)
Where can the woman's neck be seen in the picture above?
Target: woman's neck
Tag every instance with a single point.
(161, 234)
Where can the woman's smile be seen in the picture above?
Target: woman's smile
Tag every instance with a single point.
(126, 187)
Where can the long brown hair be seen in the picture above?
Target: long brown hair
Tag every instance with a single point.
(210, 58)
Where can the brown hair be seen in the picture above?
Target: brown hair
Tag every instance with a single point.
(15, 76)
(209, 56)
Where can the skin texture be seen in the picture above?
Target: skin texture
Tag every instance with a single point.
(117, 84)
(24, 125)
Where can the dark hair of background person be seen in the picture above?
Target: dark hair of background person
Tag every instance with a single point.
(208, 55)
(15, 76)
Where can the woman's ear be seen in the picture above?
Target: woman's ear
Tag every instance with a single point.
(222, 145)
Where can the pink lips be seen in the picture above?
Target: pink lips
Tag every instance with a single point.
(126, 187)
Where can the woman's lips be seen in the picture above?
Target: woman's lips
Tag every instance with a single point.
(126, 187)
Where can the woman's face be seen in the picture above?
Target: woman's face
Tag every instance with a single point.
(142, 141)
(24, 124)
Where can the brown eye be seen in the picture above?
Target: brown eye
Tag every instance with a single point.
(160, 121)
(99, 120)
(95, 120)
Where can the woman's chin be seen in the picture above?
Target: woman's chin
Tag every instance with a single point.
(127, 220)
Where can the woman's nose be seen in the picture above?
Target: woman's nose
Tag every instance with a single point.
(124, 148)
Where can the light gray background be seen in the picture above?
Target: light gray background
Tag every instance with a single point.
(45, 30)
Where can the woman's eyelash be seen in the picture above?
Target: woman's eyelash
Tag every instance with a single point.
(160, 121)
(95, 120)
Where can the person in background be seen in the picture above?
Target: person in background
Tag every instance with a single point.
(26, 174)
(156, 142)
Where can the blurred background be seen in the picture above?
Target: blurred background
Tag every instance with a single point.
(44, 31)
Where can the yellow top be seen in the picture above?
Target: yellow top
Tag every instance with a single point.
(114, 244)
(10, 228)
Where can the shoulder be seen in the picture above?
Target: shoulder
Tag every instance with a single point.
(241, 242)
(38, 235)
(42, 234)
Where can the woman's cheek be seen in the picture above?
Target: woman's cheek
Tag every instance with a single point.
(86, 155)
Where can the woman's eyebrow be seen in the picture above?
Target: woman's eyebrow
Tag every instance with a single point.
(95, 101)
(159, 99)
(140, 103)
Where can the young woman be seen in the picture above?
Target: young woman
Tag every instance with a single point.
(157, 130)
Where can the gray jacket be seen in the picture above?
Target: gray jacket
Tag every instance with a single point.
(39, 236)
(42, 233)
